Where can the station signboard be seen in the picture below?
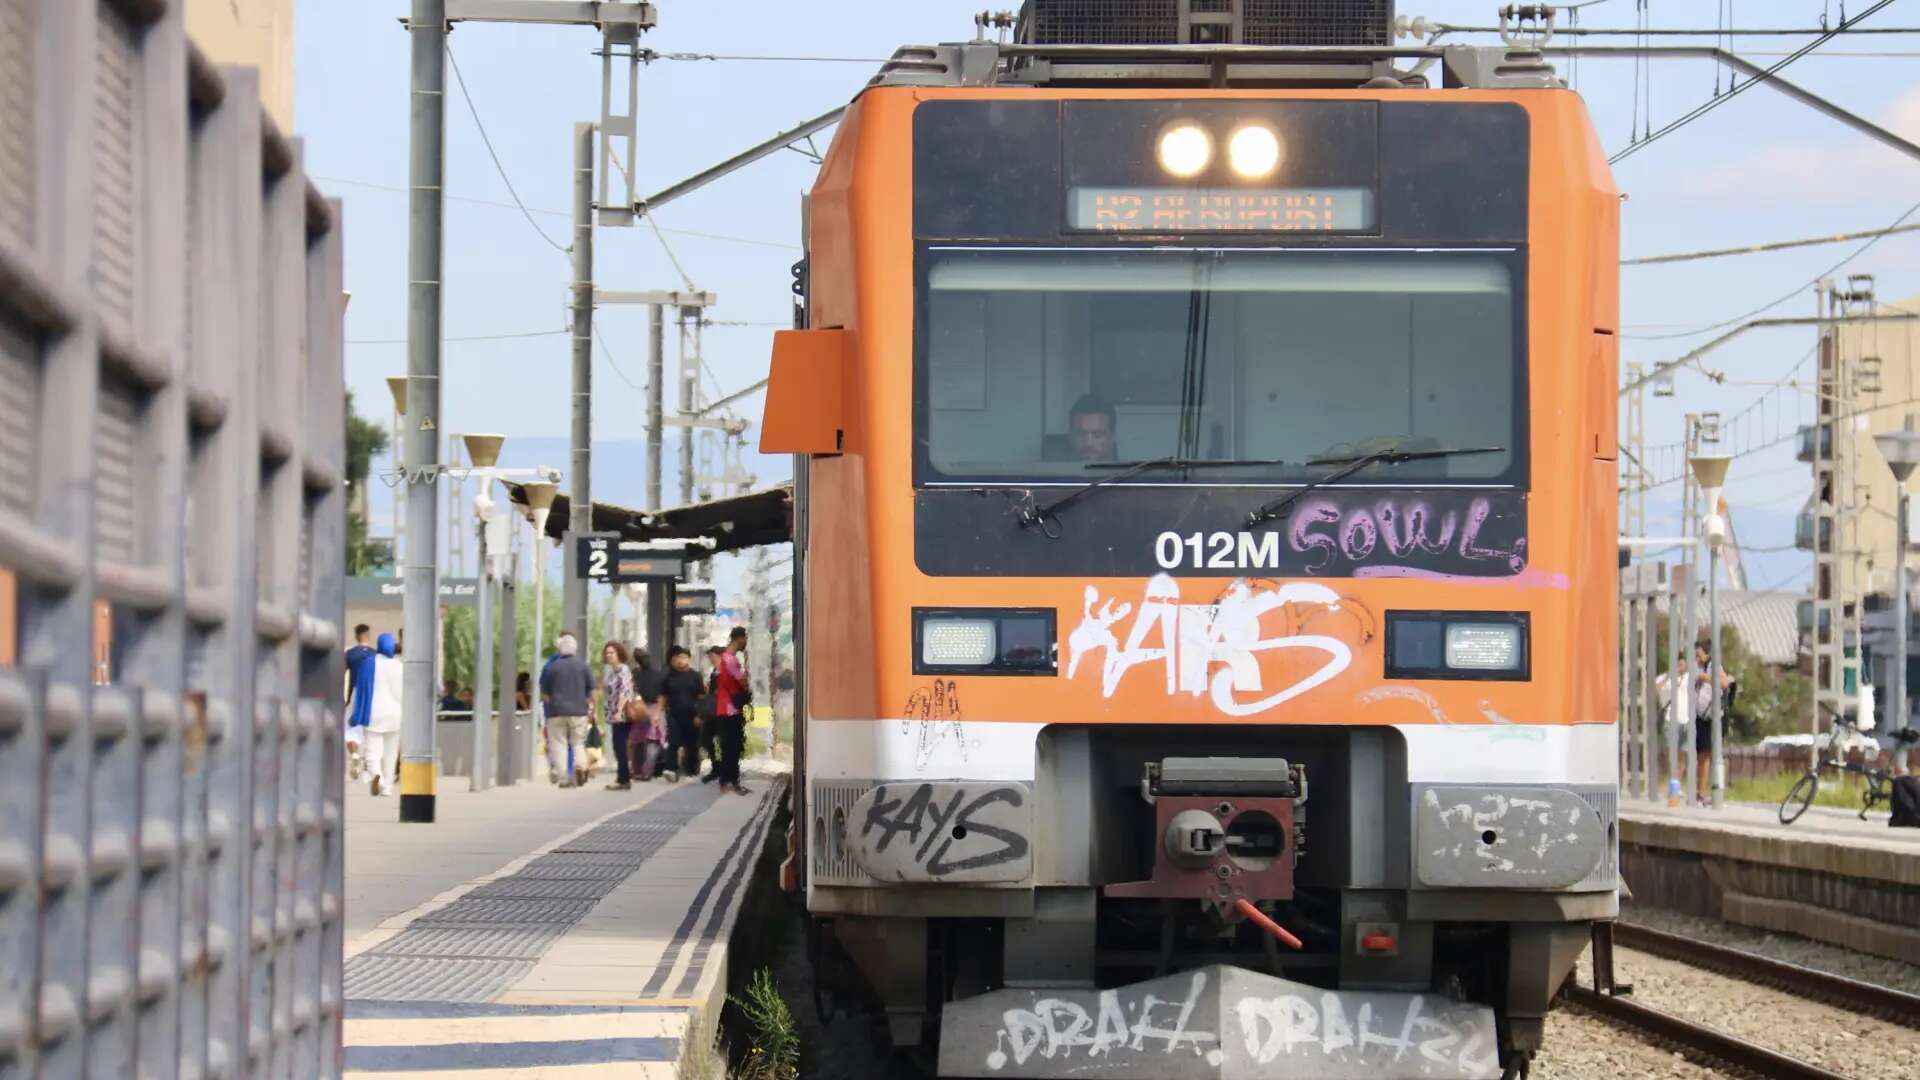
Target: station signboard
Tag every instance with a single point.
(606, 557)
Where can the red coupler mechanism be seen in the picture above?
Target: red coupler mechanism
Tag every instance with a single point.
(1230, 832)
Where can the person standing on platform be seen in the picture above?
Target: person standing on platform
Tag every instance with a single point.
(616, 690)
(566, 686)
(708, 716)
(382, 744)
(680, 691)
(359, 695)
(730, 696)
(648, 714)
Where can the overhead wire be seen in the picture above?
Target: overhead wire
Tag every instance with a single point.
(1739, 88)
(498, 167)
(1797, 290)
(606, 353)
(699, 234)
(468, 337)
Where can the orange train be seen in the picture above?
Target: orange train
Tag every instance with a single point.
(1205, 516)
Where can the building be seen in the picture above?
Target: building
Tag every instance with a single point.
(250, 33)
(1867, 382)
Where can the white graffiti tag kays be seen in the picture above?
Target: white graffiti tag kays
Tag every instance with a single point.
(1212, 648)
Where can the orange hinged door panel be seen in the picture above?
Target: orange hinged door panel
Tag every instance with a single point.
(806, 411)
(9, 618)
(1603, 397)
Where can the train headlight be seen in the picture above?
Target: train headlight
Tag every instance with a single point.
(1457, 645)
(1483, 646)
(1254, 151)
(957, 642)
(1185, 150)
(984, 641)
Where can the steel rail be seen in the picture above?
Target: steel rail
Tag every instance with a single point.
(1718, 1045)
(1885, 1003)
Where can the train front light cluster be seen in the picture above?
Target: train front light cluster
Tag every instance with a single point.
(1458, 645)
(984, 641)
(953, 642)
(1185, 150)
(1254, 150)
(1483, 646)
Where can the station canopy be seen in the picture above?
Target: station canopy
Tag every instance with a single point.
(733, 524)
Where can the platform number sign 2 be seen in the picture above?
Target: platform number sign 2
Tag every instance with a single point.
(596, 557)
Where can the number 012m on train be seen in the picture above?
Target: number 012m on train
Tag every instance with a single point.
(1205, 515)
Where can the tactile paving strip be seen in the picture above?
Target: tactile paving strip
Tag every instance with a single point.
(478, 946)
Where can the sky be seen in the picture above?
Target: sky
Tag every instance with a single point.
(1757, 168)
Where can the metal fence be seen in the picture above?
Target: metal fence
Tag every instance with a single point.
(171, 521)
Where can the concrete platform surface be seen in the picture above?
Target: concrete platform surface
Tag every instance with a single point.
(1824, 838)
(1828, 876)
(536, 931)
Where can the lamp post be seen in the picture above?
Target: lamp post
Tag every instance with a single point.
(540, 495)
(1902, 451)
(1710, 472)
(483, 451)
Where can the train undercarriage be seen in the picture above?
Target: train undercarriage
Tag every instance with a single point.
(1251, 901)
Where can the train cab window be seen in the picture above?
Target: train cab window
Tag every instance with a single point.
(1241, 356)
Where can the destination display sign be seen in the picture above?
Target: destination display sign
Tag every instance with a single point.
(694, 600)
(1182, 209)
(605, 557)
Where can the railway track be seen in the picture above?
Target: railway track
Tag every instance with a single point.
(1881, 1002)
(1686, 1035)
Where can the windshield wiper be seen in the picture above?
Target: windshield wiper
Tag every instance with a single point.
(1388, 456)
(1035, 515)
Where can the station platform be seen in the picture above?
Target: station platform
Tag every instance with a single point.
(1829, 876)
(540, 931)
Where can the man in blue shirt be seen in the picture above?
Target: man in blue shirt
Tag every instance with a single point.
(359, 695)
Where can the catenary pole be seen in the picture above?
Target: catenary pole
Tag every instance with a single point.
(656, 376)
(580, 505)
(427, 30)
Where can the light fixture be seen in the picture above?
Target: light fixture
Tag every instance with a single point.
(483, 450)
(1710, 472)
(1457, 645)
(397, 386)
(1254, 151)
(1902, 451)
(985, 641)
(1185, 150)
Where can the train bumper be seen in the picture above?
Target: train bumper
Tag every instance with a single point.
(1217, 1021)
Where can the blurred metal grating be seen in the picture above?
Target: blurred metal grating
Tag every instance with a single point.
(1317, 22)
(116, 64)
(20, 377)
(116, 463)
(1246, 22)
(1104, 22)
(17, 130)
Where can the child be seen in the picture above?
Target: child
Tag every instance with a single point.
(647, 734)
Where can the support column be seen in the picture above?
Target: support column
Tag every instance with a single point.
(427, 29)
(656, 378)
(580, 490)
(483, 767)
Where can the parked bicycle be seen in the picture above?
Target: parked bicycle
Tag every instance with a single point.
(1834, 756)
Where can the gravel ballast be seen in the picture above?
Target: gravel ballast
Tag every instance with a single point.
(1833, 1038)
(1786, 948)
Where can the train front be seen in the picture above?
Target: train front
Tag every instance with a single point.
(1209, 579)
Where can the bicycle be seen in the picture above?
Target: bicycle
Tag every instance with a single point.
(1833, 756)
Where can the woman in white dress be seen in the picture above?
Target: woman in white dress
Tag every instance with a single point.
(382, 744)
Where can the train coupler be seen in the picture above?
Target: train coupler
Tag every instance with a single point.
(1229, 829)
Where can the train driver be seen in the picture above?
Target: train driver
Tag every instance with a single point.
(1091, 430)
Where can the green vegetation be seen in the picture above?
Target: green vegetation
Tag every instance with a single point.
(365, 439)
(1770, 700)
(773, 1051)
(1836, 789)
(459, 634)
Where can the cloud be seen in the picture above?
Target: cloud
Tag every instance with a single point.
(1843, 165)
